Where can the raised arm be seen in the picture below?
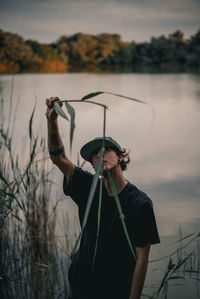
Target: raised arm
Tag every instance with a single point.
(55, 145)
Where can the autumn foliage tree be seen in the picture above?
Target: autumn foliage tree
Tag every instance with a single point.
(15, 54)
(86, 52)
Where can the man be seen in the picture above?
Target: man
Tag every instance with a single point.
(113, 273)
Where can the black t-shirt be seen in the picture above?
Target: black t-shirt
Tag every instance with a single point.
(111, 274)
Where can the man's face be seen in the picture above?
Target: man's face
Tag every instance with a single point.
(110, 159)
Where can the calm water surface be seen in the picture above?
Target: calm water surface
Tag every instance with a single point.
(165, 156)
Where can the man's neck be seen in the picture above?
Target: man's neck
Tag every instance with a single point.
(118, 179)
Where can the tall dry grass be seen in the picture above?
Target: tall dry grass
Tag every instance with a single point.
(31, 265)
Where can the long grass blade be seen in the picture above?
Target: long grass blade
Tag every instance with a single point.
(79, 164)
(15, 216)
(31, 123)
(182, 261)
(170, 271)
(183, 238)
(93, 187)
(164, 280)
(83, 163)
(98, 218)
(74, 250)
(59, 111)
(177, 250)
(10, 195)
(94, 94)
(71, 111)
(90, 199)
(33, 152)
(88, 102)
(78, 160)
(120, 212)
(91, 95)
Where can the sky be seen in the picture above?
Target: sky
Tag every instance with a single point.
(135, 20)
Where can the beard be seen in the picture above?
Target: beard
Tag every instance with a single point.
(111, 169)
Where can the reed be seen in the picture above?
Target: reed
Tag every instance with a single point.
(182, 265)
(31, 265)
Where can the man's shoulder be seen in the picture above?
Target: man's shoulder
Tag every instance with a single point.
(80, 181)
(136, 196)
(82, 172)
(81, 175)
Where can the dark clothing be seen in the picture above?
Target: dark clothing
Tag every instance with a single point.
(111, 275)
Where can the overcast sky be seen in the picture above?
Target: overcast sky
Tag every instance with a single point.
(138, 20)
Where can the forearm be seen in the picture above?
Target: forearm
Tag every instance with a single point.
(139, 275)
(57, 151)
(55, 144)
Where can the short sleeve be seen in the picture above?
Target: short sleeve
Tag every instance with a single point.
(145, 227)
(79, 186)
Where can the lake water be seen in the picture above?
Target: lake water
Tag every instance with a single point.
(165, 155)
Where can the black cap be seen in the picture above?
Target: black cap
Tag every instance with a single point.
(93, 145)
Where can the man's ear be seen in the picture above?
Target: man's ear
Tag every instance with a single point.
(120, 159)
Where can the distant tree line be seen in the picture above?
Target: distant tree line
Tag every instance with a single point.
(103, 52)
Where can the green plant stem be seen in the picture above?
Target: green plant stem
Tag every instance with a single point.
(121, 215)
(98, 218)
(90, 199)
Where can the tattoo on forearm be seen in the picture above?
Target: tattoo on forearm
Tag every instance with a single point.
(55, 145)
(57, 152)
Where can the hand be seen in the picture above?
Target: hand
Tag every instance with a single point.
(50, 112)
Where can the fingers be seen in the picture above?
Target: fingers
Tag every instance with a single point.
(50, 102)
